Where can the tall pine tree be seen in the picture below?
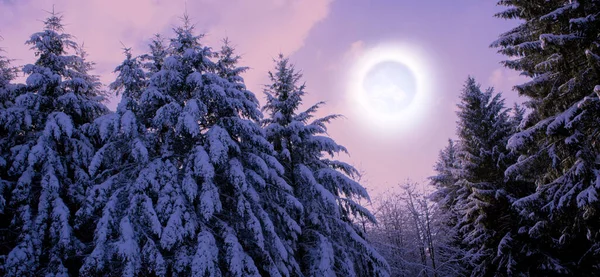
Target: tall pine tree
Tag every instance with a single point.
(556, 45)
(50, 155)
(330, 244)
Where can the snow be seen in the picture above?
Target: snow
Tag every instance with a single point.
(19, 157)
(209, 200)
(150, 214)
(205, 262)
(189, 187)
(154, 259)
(190, 118)
(128, 124)
(166, 116)
(128, 249)
(236, 175)
(202, 164)
(58, 124)
(555, 14)
(586, 197)
(255, 179)
(582, 21)
(325, 263)
(195, 79)
(219, 142)
(239, 263)
(106, 126)
(21, 259)
(97, 160)
(180, 180)
(60, 226)
(139, 151)
(173, 232)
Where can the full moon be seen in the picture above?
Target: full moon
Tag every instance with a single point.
(390, 86)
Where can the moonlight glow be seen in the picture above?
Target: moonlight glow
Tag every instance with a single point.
(389, 86)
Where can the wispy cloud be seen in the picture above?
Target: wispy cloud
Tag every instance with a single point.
(260, 29)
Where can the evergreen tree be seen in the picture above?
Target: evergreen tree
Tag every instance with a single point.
(119, 140)
(7, 74)
(50, 154)
(482, 199)
(556, 45)
(330, 244)
(199, 192)
(448, 171)
(8, 92)
(518, 114)
(446, 195)
(154, 61)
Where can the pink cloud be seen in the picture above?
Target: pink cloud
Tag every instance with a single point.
(260, 29)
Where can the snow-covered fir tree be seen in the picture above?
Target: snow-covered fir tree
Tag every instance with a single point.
(199, 192)
(330, 244)
(447, 192)
(556, 45)
(8, 92)
(518, 114)
(246, 104)
(448, 172)
(49, 155)
(120, 149)
(481, 199)
(7, 98)
(8, 73)
(153, 61)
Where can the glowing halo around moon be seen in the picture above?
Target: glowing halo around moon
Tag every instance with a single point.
(390, 86)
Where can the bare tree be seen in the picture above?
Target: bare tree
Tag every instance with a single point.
(412, 233)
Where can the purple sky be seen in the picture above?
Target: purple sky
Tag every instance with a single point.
(324, 38)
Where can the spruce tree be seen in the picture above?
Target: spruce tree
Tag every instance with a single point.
(482, 198)
(199, 193)
(119, 140)
(330, 244)
(446, 195)
(448, 172)
(7, 74)
(50, 154)
(153, 61)
(556, 45)
(8, 93)
(518, 114)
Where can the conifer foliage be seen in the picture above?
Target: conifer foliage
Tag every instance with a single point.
(448, 172)
(330, 244)
(198, 192)
(470, 186)
(483, 128)
(183, 179)
(49, 154)
(7, 97)
(556, 45)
